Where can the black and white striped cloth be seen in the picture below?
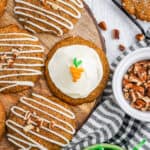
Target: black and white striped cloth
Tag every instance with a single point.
(109, 124)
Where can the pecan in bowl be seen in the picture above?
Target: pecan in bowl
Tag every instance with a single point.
(136, 85)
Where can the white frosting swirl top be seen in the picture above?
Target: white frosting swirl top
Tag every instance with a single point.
(59, 64)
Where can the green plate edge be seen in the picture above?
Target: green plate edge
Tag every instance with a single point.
(108, 146)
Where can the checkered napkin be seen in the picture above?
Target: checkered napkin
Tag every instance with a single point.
(109, 124)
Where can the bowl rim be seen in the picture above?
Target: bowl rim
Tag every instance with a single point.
(126, 62)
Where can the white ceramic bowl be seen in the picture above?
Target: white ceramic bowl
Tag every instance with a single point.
(138, 55)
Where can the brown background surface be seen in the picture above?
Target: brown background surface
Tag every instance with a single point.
(86, 28)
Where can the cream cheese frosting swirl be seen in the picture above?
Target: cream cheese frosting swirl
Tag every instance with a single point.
(58, 68)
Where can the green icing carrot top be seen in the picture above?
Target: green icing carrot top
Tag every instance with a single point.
(76, 62)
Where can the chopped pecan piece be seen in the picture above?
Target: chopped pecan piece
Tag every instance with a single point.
(129, 85)
(140, 37)
(138, 89)
(136, 85)
(103, 25)
(139, 104)
(133, 96)
(135, 79)
(121, 47)
(148, 92)
(116, 34)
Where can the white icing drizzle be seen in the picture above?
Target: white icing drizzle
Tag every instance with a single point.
(50, 15)
(27, 37)
(78, 3)
(21, 113)
(6, 40)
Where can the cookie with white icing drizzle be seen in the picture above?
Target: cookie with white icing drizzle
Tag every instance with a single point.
(2, 120)
(3, 4)
(139, 8)
(21, 59)
(76, 70)
(40, 122)
(52, 16)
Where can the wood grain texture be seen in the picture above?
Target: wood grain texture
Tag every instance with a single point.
(86, 28)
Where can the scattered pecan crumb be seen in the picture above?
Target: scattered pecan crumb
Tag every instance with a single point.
(16, 53)
(55, 7)
(34, 114)
(103, 25)
(116, 34)
(51, 124)
(39, 122)
(1, 66)
(37, 129)
(122, 47)
(27, 115)
(140, 37)
(29, 121)
(43, 2)
(27, 128)
(26, 19)
(3, 57)
(10, 62)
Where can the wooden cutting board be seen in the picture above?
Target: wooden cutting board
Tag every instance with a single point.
(86, 28)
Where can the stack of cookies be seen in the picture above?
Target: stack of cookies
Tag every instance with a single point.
(75, 70)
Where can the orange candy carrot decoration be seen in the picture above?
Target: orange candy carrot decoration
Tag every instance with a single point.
(75, 70)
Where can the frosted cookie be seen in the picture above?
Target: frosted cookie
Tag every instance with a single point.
(139, 8)
(21, 59)
(76, 70)
(2, 6)
(2, 120)
(40, 122)
(52, 16)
